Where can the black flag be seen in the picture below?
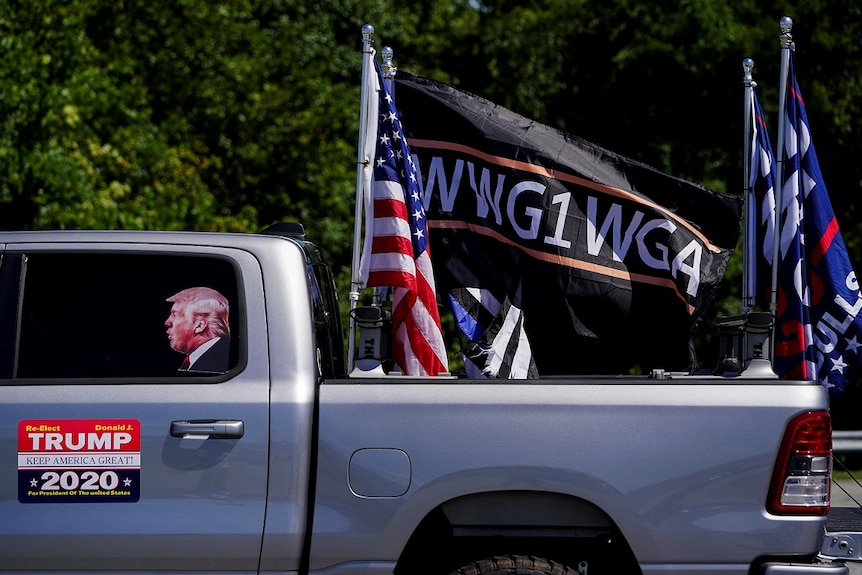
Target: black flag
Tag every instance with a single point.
(610, 262)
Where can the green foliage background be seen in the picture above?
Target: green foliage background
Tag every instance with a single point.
(208, 115)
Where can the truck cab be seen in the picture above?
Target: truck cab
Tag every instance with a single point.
(125, 462)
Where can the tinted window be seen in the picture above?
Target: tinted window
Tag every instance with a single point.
(103, 315)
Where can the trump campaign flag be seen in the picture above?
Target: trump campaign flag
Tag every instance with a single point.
(760, 213)
(818, 331)
(398, 247)
(595, 263)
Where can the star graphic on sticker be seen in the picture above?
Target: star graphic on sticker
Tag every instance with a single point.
(127, 482)
(34, 482)
(853, 345)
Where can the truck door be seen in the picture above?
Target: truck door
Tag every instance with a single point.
(126, 461)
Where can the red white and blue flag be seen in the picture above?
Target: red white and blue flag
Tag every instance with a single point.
(399, 247)
(760, 213)
(818, 328)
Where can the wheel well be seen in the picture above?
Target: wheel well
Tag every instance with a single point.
(555, 526)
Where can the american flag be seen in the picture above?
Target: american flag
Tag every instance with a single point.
(400, 255)
(818, 328)
(760, 214)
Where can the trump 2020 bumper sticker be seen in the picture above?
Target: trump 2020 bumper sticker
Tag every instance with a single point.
(79, 460)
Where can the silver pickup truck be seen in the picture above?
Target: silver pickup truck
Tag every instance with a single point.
(275, 462)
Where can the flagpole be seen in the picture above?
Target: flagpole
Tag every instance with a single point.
(388, 70)
(387, 56)
(748, 253)
(362, 162)
(786, 42)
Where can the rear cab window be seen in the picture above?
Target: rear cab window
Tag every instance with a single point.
(108, 315)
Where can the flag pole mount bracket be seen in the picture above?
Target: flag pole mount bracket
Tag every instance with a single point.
(373, 323)
(744, 343)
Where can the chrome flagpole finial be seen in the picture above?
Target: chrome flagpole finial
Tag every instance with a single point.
(747, 67)
(786, 26)
(389, 69)
(367, 37)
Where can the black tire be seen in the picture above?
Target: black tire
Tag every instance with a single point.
(515, 565)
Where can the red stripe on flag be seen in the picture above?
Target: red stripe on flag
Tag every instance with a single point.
(822, 246)
(390, 209)
(390, 278)
(414, 316)
(391, 245)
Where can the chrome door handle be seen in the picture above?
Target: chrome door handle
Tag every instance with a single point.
(214, 428)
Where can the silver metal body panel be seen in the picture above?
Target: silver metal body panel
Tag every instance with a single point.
(681, 467)
(805, 569)
(741, 569)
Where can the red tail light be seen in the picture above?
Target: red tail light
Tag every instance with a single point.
(802, 477)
